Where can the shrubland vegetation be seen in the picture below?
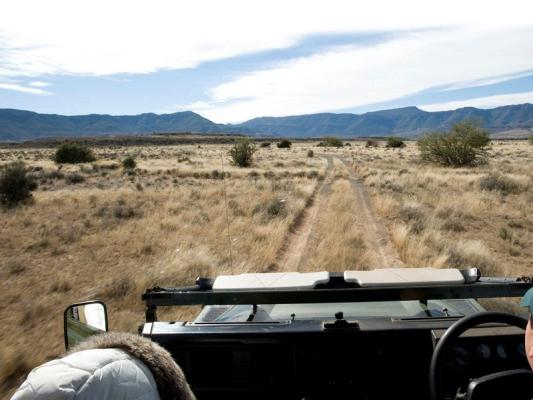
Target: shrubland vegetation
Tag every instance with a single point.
(15, 184)
(453, 217)
(242, 153)
(95, 231)
(284, 144)
(129, 162)
(331, 142)
(464, 145)
(73, 153)
(395, 142)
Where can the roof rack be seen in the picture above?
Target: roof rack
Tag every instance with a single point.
(337, 290)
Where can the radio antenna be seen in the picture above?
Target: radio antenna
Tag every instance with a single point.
(227, 211)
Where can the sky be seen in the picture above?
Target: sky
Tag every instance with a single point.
(231, 61)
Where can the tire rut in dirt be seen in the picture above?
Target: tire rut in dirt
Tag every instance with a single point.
(379, 248)
(294, 251)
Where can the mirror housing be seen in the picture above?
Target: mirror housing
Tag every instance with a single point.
(82, 320)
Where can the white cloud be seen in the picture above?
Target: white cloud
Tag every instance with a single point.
(39, 84)
(103, 37)
(482, 102)
(22, 89)
(459, 45)
(355, 76)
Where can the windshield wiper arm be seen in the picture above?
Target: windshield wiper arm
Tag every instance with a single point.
(252, 314)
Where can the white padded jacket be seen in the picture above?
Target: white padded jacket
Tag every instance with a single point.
(116, 366)
(90, 374)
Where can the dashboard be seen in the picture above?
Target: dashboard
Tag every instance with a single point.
(482, 351)
(379, 359)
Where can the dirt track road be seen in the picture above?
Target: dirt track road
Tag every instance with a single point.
(295, 250)
(302, 239)
(376, 236)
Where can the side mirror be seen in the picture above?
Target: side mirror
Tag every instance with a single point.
(82, 320)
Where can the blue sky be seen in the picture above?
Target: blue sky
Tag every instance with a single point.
(267, 59)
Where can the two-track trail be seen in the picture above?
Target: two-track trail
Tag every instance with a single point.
(293, 251)
(379, 248)
(302, 240)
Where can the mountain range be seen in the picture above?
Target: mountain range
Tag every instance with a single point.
(16, 125)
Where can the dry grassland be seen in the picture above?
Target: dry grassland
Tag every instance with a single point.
(96, 231)
(110, 234)
(457, 217)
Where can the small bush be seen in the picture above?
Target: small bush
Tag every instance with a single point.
(264, 144)
(242, 153)
(122, 212)
(15, 267)
(73, 153)
(505, 234)
(331, 142)
(216, 174)
(310, 153)
(395, 143)
(531, 140)
(15, 185)
(284, 144)
(453, 225)
(371, 143)
(129, 162)
(74, 178)
(60, 286)
(276, 208)
(271, 209)
(464, 145)
(119, 288)
(500, 183)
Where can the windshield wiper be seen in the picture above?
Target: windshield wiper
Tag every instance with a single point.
(252, 314)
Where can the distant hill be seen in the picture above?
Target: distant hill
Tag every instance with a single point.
(408, 121)
(23, 125)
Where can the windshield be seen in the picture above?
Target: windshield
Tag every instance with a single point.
(326, 311)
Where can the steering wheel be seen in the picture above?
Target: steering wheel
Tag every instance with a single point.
(451, 335)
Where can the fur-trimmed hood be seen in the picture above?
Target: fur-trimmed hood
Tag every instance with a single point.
(169, 377)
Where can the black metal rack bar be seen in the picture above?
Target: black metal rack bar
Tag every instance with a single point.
(197, 296)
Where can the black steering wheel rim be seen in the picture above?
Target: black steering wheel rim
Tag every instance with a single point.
(457, 329)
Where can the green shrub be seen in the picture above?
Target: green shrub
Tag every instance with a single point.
(129, 162)
(531, 140)
(270, 209)
(284, 144)
(310, 153)
(73, 153)
(499, 183)
(242, 153)
(331, 142)
(276, 208)
(465, 145)
(395, 142)
(74, 178)
(264, 144)
(372, 143)
(15, 185)
(216, 174)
